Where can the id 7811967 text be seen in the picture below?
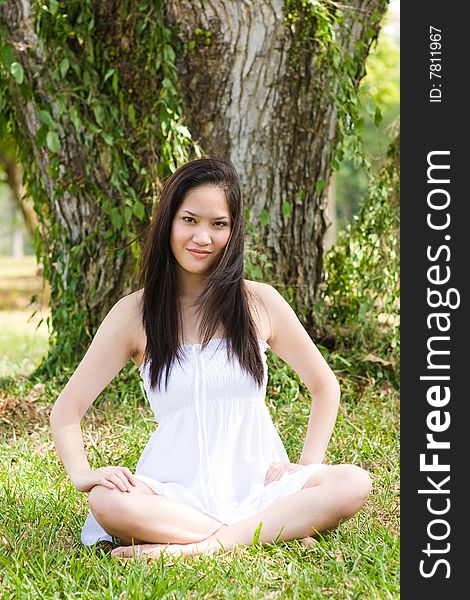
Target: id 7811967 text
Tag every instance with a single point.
(435, 64)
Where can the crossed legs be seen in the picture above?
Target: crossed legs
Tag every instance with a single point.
(329, 497)
(147, 517)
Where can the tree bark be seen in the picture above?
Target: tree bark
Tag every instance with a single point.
(86, 271)
(77, 214)
(255, 93)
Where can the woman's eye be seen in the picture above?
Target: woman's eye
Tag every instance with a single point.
(219, 224)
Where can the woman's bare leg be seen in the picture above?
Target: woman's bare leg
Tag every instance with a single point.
(330, 496)
(145, 517)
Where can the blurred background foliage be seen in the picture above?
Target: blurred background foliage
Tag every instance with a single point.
(379, 95)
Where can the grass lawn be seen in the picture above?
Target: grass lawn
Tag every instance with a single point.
(41, 555)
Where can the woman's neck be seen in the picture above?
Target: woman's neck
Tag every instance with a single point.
(191, 288)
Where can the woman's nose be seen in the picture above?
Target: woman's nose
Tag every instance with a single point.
(202, 236)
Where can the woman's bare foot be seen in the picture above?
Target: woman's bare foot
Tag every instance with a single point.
(308, 541)
(152, 551)
(148, 551)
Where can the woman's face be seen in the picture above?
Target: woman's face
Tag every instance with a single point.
(202, 222)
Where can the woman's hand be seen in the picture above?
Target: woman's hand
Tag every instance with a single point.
(277, 469)
(110, 477)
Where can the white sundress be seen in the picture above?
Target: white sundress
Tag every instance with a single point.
(214, 442)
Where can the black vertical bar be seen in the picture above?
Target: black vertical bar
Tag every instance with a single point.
(435, 258)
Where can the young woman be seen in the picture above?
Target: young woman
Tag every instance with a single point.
(215, 470)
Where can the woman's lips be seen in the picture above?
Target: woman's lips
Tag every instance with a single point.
(198, 254)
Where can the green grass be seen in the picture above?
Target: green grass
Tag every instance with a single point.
(41, 555)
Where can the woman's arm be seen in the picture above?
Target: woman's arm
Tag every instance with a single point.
(109, 351)
(291, 342)
(322, 418)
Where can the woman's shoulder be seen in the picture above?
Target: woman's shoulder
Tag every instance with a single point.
(275, 308)
(261, 298)
(129, 312)
(264, 291)
(256, 286)
(128, 305)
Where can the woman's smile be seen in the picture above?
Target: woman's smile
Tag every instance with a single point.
(199, 253)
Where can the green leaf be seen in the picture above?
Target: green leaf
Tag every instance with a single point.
(320, 185)
(92, 128)
(116, 218)
(158, 60)
(115, 82)
(167, 83)
(377, 116)
(286, 209)
(41, 136)
(52, 141)
(109, 72)
(108, 139)
(75, 118)
(53, 6)
(131, 114)
(139, 210)
(133, 194)
(113, 109)
(335, 165)
(46, 119)
(168, 53)
(62, 106)
(360, 123)
(100, 114)
(8, 55)
(127, 215)
(257, 534)
(17, 71)
(64, 66)
(264, 217)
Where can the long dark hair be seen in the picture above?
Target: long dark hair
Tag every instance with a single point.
(225, 299)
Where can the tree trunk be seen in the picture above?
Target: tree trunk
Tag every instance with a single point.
(95, 110)
(75, 210)
(252, 89)
(84, 182)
